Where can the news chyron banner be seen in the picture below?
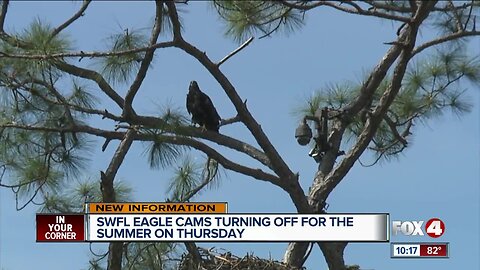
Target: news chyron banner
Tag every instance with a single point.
(73, 227)
(210, 222)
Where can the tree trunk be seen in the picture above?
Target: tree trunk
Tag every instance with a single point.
(115, 249)
(332, 251)
(115, 256)
(295, 253)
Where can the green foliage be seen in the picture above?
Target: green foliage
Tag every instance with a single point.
(448, 21)
(434, 84)
(37, 39)
(80, 96)
(430, 87)
(161, 154)
(189, 177)
(120, 68)
(185, 178)
(246, 18)
(72, 197)
(38, 161)
(56, 203)
(36, 175)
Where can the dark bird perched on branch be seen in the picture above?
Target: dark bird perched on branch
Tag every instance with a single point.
(201, 108)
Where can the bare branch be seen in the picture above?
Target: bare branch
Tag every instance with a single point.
(93, 76)
(394, 130)
(443, 39)
(469, 17)
(229, 121)
(3, 14)
(75, 16)
(302, 5)
(3, 35)
(387, 7)
(83, 54)
(458, 19)
(373, 12)
(147, 59)
(373, 163)
(447, 8)
(376, 77)
(279, 165)
(245, 44)
(355, 10)
(197, 189)
(177, 28)
(108, 192)
(38, 189)
(117, 160)
(226, 163)
(51, 87)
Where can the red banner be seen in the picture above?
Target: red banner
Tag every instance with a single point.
(60, 228)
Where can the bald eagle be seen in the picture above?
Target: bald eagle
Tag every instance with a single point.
(201, 108)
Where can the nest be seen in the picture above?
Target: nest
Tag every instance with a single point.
(212, 260)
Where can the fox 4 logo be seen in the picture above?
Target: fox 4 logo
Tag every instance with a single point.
(434, 227)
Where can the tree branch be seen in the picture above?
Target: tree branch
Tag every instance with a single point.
(3, 35)
(226, 163)
(334, 177)
(443, 39)
(245, 44)
(229, 121)
(147, 59)
(83, 54)
(108, 193)
(177, 140)
(394, 130)
(456, 16)
(376, 77)
(117, 160)
(3, 15)
(75, 16)
(279, 165)
(301, 5)
(176, 26)
(387, 7)
(446, 9)
(104, 113)
(373, 12)
(220, 139)
(334, 251)
(93, 76)
(355, 10)
(326, 179)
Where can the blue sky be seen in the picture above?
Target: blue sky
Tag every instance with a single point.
(438, 176)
